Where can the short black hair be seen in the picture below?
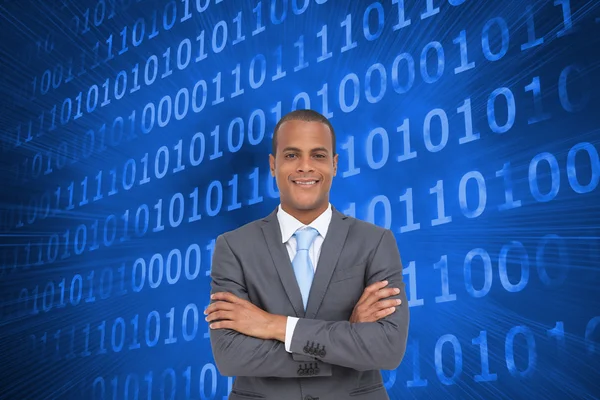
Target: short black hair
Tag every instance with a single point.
(307, 116)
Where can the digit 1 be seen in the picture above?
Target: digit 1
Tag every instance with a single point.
(589, 331)
(532, 41)
(566, 11)
(405, 130)
(276, 110)
(442, 265)
(187, 374)
(94, 245)
(57, 340)
(171, 317)
(351, 210)
(402, 21)
(125, 218)
(324, 53)
(196, 216)
(430, 12)
(186, 13)
(559, 333)
(301, 63)
(207, 333)
(235, 203)
(70, 188)
(411, 271)
(442, 218)
(349, 146)
(259, 24)
(102, 329)
(255, 178)
(238, 22)
(216, 134)
(229, 387)
(99, 194)
(121, 270)
(237, 77)
(407, 197)
(485, 375)
(71, 353)
(91, 298)
(145, 178)
(470, 136)
(135, 344)
(347, 23)
(179, 147)
(218, 96)
(149, 378)
(159, 225)
(540, 115)
(324, 93)
(280, 72)
(465, 65)
(86, 352)
(510, 202)
(211, 250)
(84, 198)
(416, 381)
(61, 285)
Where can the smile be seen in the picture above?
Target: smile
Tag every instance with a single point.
(306, 183)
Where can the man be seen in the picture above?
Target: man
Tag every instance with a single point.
(307, 303)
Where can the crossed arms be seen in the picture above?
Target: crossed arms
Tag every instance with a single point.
(358, 345)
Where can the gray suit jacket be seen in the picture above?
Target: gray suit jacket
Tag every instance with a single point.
(331, 359)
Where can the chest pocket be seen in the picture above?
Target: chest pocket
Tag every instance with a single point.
(354, 272)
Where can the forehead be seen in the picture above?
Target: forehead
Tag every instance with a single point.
(304, 132)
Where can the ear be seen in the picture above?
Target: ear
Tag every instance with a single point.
(335, 163)
(272, 164)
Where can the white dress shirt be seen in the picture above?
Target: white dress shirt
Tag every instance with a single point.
(289, 225)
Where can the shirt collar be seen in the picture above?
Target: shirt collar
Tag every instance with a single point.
(289, 225)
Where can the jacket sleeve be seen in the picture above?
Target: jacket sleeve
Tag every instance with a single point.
(236, 354)
(367, 345)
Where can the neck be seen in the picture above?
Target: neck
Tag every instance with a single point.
(305, 216)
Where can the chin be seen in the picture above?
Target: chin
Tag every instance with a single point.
(307, 205)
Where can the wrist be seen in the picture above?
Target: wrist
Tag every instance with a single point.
(277, 327)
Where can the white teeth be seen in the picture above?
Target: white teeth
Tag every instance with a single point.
(306, 183)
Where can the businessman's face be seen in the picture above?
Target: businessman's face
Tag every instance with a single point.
(304, 167)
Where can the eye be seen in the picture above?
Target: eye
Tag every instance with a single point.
(320, 155)
(289, 155)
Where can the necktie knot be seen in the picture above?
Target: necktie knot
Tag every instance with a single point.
(305, 237)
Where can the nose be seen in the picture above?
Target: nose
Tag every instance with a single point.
(305, 165)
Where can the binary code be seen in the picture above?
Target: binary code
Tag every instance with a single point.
(134, 132)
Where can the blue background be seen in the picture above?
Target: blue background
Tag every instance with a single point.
(135, 132)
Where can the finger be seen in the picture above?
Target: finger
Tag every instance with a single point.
(385, 312)
(226, 296)
(220, 315)
(372, 288)
(380, 294)
(381, 304)
(219, 305)
(387, 292)
(222, 325)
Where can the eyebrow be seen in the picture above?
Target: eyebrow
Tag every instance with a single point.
(299, 151)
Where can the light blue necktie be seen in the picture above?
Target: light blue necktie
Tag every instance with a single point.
(303, 268)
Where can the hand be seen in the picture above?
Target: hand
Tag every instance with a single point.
(244, 317)
(370, 308)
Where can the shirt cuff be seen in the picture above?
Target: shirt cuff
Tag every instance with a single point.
(289, 332)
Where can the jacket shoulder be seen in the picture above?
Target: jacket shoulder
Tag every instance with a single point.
(367, 228)
(249, 229)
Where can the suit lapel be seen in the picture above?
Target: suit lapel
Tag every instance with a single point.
(330, 253)
(282, 262)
